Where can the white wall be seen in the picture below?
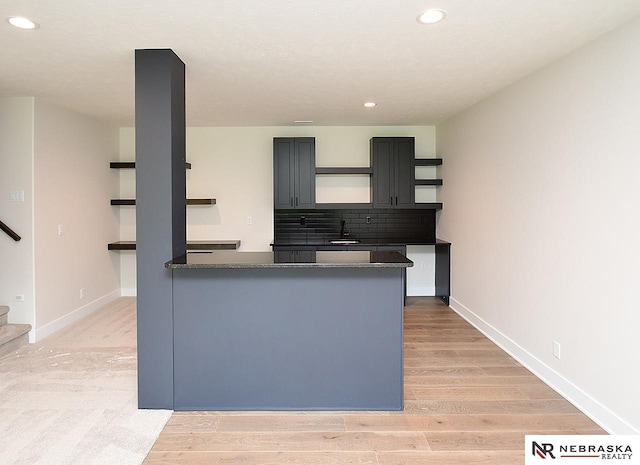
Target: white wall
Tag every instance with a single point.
(235, 166)
(16, 174)
(72, 188)
(541, 202)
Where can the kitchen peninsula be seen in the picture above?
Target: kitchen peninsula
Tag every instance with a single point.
(253, 332)
(247, 330)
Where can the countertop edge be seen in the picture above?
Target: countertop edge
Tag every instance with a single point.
(267, 260)
(363, 244)
(247, 266)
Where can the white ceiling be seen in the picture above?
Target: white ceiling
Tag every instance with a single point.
(261, 62)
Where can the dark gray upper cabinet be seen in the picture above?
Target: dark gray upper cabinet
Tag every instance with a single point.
(294, 172)
(393, 163)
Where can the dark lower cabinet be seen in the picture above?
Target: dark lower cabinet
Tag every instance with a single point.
(294, 172)
(393, 163)
(443, 270)
(307, 254)
(295, 256)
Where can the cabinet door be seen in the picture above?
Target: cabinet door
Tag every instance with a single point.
(306, 256)
(383, 172)
(284, 256)
(287, 255)
(305, 172)
(404, 172)
(443, 271)
(283, 172)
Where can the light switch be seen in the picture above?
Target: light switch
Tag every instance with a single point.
(16, 196)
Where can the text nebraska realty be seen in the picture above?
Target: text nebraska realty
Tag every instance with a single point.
(607, 452)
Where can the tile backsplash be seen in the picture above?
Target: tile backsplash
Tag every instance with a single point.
(394, 225)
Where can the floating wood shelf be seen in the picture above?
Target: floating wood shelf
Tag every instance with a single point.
(119, 165)
(344, 170)
(122, 245)
(191, 245)
(201, 201)
(428, 161)
(123, 201)
(131, 202)
(428, 182)
(369, 170)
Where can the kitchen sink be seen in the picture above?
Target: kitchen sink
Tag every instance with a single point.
(344, 241)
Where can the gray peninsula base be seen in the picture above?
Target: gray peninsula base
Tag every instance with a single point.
(288, 339)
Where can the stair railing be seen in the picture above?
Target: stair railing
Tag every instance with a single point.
(10, 232)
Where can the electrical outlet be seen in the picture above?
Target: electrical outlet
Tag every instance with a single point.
(60, 229)
(556, 349)
(82, 293)
(249, 220)
(368, 220)
(19, 297)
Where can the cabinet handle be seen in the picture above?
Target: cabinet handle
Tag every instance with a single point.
(396, 200)
(391, 200)
(296, 201)
(291, 201)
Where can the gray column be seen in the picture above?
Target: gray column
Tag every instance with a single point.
(160, 215)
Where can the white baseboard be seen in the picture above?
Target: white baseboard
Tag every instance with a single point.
(39, 333)
(421, 291)
(600, 414)
(129, 292)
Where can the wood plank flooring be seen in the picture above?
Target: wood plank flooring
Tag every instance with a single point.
(466, 402)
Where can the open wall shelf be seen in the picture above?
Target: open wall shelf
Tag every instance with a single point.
(191, 245)
(123, 165)
(428, 182)
(131, 202)
(201, 201)
(202, 246)
(428, 161)
(344, 170)
(368, 170)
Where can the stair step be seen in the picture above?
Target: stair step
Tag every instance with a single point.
(3, 314)
(13, 337)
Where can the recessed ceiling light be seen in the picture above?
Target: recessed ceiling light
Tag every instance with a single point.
(22, 23)
(370, 104)
(432, 16)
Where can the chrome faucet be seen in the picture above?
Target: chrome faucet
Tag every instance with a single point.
(343, 233)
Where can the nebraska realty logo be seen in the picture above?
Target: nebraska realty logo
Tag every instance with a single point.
(582, 450)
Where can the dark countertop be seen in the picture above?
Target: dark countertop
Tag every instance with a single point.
(362, 243)
(328, 259)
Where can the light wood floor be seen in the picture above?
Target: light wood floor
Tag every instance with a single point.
(466, 402)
